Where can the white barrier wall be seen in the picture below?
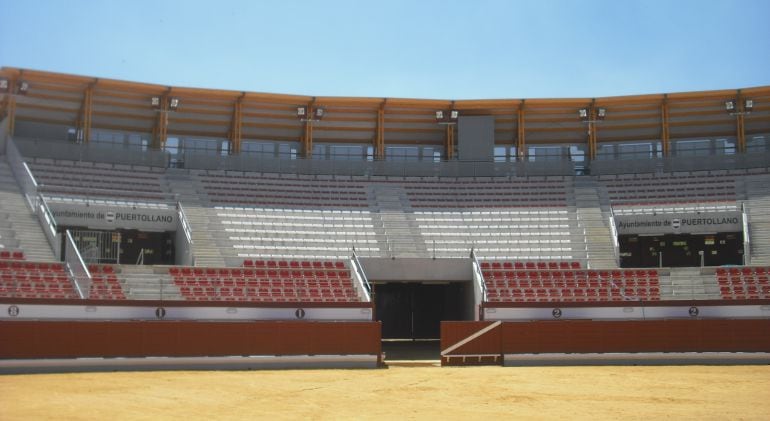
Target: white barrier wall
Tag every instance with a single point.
(631, 312)
(12, 311)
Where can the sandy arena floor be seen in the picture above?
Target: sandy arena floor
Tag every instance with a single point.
(424, 392)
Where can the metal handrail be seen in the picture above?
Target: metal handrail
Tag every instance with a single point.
(185, 224)
(29, 174)
(479, 275)
(614, 235)
(20, 170)
(77, 267)
(360, 270)
(746, 238)
(47, 214)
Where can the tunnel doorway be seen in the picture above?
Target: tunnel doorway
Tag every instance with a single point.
(414, 311)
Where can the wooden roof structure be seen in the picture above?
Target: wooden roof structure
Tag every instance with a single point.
(88, 102)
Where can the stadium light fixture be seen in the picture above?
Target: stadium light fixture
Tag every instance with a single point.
(318, 113)
(732, 109)
(585, 115)
(22, 88)
(447, 117)
(4, 85)
(601, 113)
(173, 103)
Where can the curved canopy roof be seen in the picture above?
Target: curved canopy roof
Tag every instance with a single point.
(92, 102)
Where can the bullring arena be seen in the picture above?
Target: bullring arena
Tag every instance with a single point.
(209, 253)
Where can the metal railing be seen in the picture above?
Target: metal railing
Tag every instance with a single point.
(48, 222)
(103, 152)
(614, 235)
(746, 237)
(185, 224)
(77, 268)
(479, 284)
(95, 152)
(20, 170)
(359, 271)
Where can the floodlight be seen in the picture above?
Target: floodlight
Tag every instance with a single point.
(583, 113)
(730, 106)
(3, 85)
(155, 102)
(748, 105)
(319, 113)
(454, 115)
(439, 115)
(601, 113)
(301, 112)
(173, 104)
(23, 87)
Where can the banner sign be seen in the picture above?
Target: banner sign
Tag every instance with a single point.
(113, 217)
(680, 223)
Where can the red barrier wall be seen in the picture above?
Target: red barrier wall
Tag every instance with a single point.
(585, 336)
(71, 339)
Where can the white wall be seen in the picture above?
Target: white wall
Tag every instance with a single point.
(133, 312)
(637, 312)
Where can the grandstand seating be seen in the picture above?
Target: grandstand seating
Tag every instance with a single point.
(492, 193)
(560, 281)
(537, 233)
(268, 281)
(82, 178)
(297, 216)
(296, 233)
(670, 188)
(743, 283)
(27, 279)
(105, 284)
(294, 191)
(12, 255)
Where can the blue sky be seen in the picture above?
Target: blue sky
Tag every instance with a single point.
(398, 48)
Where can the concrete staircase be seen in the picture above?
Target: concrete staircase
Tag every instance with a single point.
(189, 190)
(395, 223)
(19, 227)
(689, 284)
(599, 246)
(758, 206)
(147, 283)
